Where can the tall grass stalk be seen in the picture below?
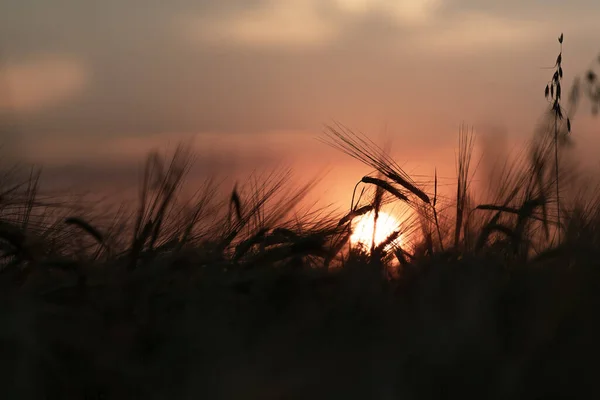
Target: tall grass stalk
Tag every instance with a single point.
(465, 151)
(553, 93)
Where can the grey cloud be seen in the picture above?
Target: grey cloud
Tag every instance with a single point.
(93, 27)
(143, 81)
(146, 80)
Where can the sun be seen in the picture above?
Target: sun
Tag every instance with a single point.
(363, 228)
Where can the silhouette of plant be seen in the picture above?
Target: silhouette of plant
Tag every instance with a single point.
(553, 94)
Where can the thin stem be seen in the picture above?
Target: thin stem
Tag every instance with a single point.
(437, 224)
(556, 168)
(556, 173)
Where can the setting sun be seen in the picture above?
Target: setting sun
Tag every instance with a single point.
(363, 230)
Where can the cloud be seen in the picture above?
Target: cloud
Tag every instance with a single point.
(42, 82)
(419, 24)
(274, 23)
(302, 23)
(405, 12)
(474, 31)
(248, 66)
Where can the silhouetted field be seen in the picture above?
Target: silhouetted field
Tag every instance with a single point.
(254, 296)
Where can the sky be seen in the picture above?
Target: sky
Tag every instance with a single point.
(87, 88)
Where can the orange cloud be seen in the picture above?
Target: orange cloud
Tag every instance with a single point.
(301, 22)
(42, 83)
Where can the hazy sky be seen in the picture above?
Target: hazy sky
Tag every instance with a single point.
(89, 80)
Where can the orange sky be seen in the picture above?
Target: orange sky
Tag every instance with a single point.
(89, 88)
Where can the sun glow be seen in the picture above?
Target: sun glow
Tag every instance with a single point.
(363, 229)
